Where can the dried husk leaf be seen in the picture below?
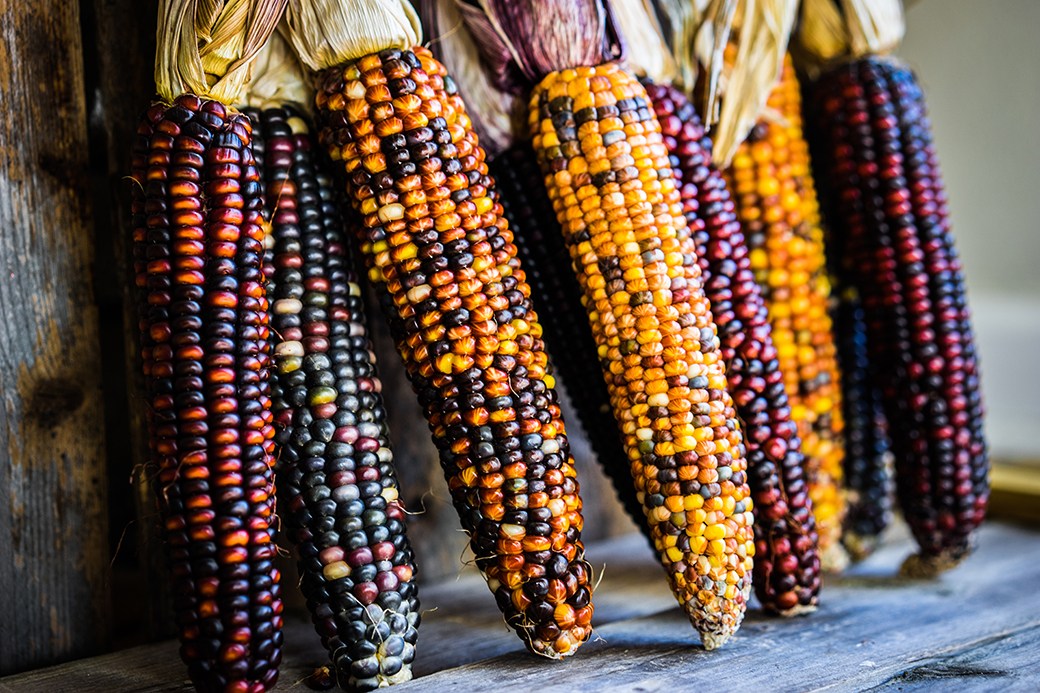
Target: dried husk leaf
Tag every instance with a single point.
(679, 21)
(646, 52)
(759, 32)
(279, 79)
(494, 112)
(835, 30)
(326, 33)
(542, 36)
(207, 47)
(709, 47)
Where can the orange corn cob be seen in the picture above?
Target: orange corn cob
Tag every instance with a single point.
(436, 242)
(607, 172)
(777, 206)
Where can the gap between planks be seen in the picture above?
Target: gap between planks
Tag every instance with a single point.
(977, 628)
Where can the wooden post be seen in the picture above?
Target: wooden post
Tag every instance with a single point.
(119, 39)
(53, 521)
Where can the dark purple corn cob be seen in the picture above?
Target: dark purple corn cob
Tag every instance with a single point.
(787, 561)
(336, 478)
(205, 351)
(869, 477)
(541, 248)
(887, 203)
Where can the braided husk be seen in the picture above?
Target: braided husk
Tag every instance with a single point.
(207, 47)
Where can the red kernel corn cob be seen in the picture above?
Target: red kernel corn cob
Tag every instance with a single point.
(205, 352)
(777, 206)
(547, 263)
(434, 239)
(607, 172)
(889, 206)
(787, 565)
(336, 479)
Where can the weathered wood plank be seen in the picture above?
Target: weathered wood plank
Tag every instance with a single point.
(976, 629)
(120, 85)
(53, 520)
(870, 627)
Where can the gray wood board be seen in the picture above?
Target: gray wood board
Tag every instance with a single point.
(977, 628)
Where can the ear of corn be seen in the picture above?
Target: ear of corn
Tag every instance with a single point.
(607, 172)
(198, 251)
(547, 262)
(777, 206)
(787, 564)
(435, 242)
(888, 204)
(336, 480)
(869, 480)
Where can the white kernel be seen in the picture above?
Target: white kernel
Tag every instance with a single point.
(287, 306)
(291, 348)
(419, 293)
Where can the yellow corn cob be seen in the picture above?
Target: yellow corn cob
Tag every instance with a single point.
(607, 171)
(777, 205)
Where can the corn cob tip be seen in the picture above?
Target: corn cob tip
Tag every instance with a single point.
(834, 559)
(930, 566)
(859, 546)
(712, 641)
(797, 610)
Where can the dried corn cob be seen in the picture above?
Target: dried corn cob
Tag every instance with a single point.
(777, 206)
(198, 251)
(435, 241)
(336, 479)
(787, 565)
(888, 204)
(869, 481)
(608, 175)
(543, 253)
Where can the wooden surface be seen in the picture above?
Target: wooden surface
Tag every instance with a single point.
(975, 629)
(53, 514)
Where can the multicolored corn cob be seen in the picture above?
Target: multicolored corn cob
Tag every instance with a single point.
(336, 479)
(888, 202)
(869, 476)
(205, 350)
(435, 240)
(607, 172)
(777, 207)
(541, 247)
(787, 564)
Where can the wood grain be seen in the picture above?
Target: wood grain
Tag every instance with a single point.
(53, 520)
(119, 39)
(975, 629)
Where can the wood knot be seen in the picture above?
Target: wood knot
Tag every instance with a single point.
(52, 400)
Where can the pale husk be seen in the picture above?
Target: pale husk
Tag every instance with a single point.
(647, 52)
(207, 47)
(494, 112)
(759, 31)
(278, 79)
(325, 33)
(679, 20)
(834, 30)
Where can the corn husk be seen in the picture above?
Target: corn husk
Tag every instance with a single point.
(646, 52)
(325, 33)
(521, 41)
(208, 47)
(679, 21)
(832, 30)
(494, 113)
(278, 79)
(737, 91)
